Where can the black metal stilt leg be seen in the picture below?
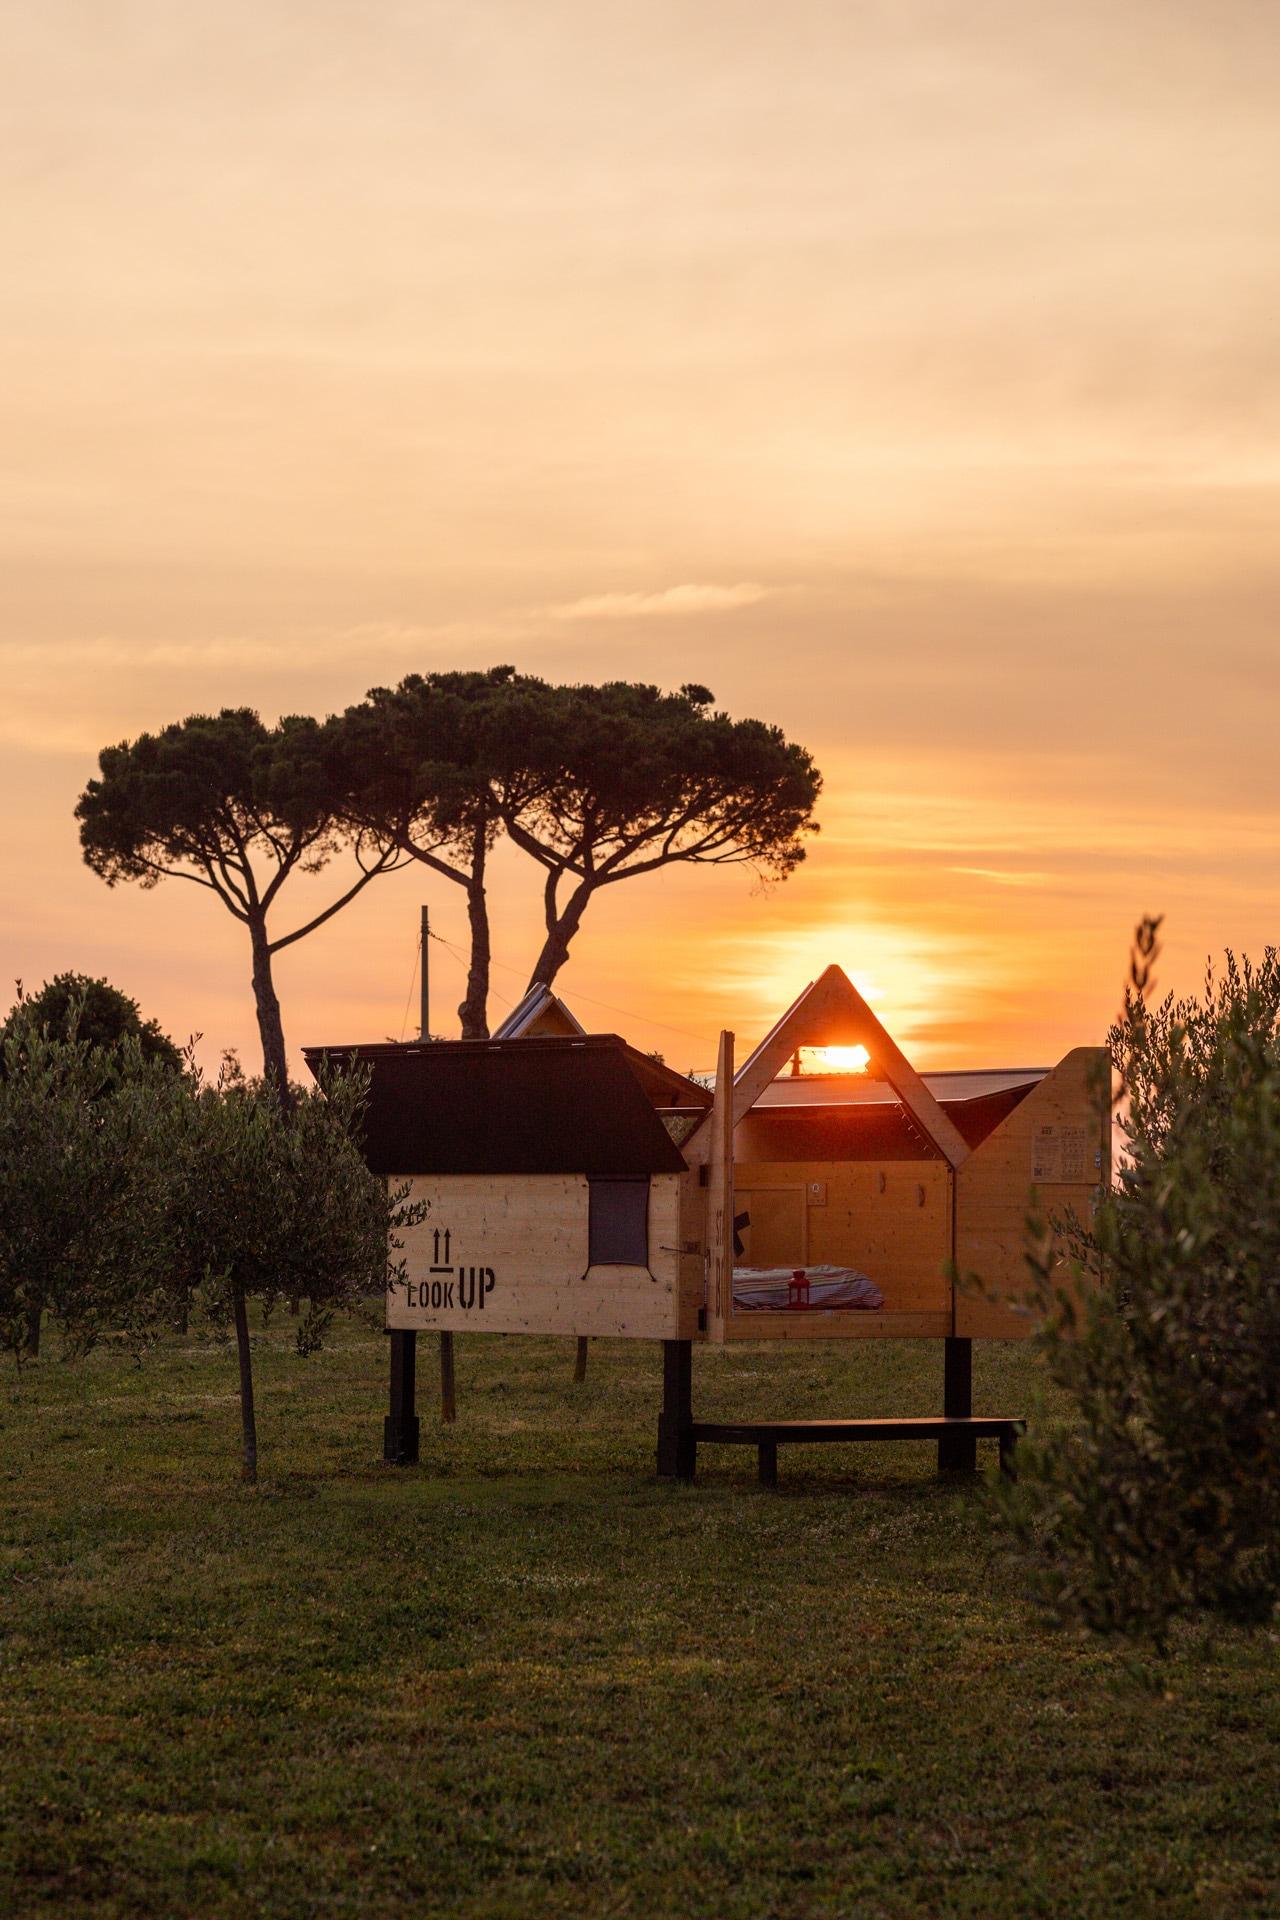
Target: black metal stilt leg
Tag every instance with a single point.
(677, 1449)
(400, 1428)
(957, 1452)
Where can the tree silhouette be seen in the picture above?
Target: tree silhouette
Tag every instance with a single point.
(429, 768)
(72, 1005)
(597, 784)
(624, 780)
(235, 807)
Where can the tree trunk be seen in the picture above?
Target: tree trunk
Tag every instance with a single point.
(270, 1026)
(33, 1332)
(560, 931)
(249, 1472)
(474, 1010)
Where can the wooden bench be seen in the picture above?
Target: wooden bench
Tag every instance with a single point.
(956, 1435)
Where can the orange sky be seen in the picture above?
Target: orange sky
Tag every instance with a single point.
(908, 373)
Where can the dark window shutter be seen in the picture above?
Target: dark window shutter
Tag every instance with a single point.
(618, 1223)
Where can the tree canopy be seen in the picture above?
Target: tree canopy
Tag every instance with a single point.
(425, 766)
(596, 784)
(234, 807)
(274, 1205)
(130, 1193)
(624, 779)
(83, 1199)
(92, 1010)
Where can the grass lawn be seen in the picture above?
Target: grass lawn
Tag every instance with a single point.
(526, 1678)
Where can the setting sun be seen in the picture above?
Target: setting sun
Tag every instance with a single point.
(841, 1059)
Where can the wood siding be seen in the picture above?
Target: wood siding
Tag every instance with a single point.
(1057, 1143)
(515, 1261)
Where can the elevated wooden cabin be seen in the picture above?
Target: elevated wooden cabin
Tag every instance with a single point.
(554, 1189)
(899, 1177)
(577, 1186)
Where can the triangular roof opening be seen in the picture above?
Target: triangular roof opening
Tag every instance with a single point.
(832, 1013)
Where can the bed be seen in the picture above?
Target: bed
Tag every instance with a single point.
(803, 1289)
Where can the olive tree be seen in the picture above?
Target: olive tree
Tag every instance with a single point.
(1161, 1496)
(85, 1214)
(276, 1205)
(74, 1004)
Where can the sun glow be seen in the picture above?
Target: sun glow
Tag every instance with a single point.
(841, 1059)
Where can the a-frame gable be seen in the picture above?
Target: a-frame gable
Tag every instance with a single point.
(541, 1014)
(831, 1012)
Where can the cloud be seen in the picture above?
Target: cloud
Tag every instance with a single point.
(670, 602)
(1001, 878)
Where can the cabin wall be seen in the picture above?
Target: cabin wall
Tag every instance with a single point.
(508, 1254)
(691, 1262)
(1057, 1142)
(891, 1221)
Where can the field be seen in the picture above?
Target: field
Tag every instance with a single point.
(528, 1679)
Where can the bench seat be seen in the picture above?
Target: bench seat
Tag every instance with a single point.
(956, 1435)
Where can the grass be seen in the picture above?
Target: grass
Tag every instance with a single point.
(528, 1679)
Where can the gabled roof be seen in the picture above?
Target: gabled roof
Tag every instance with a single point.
(573, 1105)
(831, 1012)
(540, 1012)
(875, 1129)
(953, 1088)
(543, 1015)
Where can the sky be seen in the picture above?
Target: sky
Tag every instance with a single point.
(907, 373)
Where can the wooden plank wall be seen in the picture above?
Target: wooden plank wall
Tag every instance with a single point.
(1057, 1142)
(712, 1150)
(516, 1261)
(692, 1316)
(891, 1221)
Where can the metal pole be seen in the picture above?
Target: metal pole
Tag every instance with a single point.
(424, 1008)
(400, 1428)
(957, 1452)
(677, 1448)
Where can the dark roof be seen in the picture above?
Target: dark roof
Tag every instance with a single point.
(879, 1130)
(561, 1105)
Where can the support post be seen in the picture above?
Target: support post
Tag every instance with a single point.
(448, 1405)
(719, 1169)
(580, 1361)
(767, 1455)
(957, 1452)
(400, 1428)
(424, 975)
(677, 1449)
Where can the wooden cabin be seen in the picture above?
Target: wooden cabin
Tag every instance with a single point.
(577, 1186)
(554, 1190)
(886, 1176)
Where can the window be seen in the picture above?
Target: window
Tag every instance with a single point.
(618, 1223)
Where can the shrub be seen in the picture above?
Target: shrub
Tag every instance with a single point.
(84, 1212)
(1162, 1496)
(275, 1203)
